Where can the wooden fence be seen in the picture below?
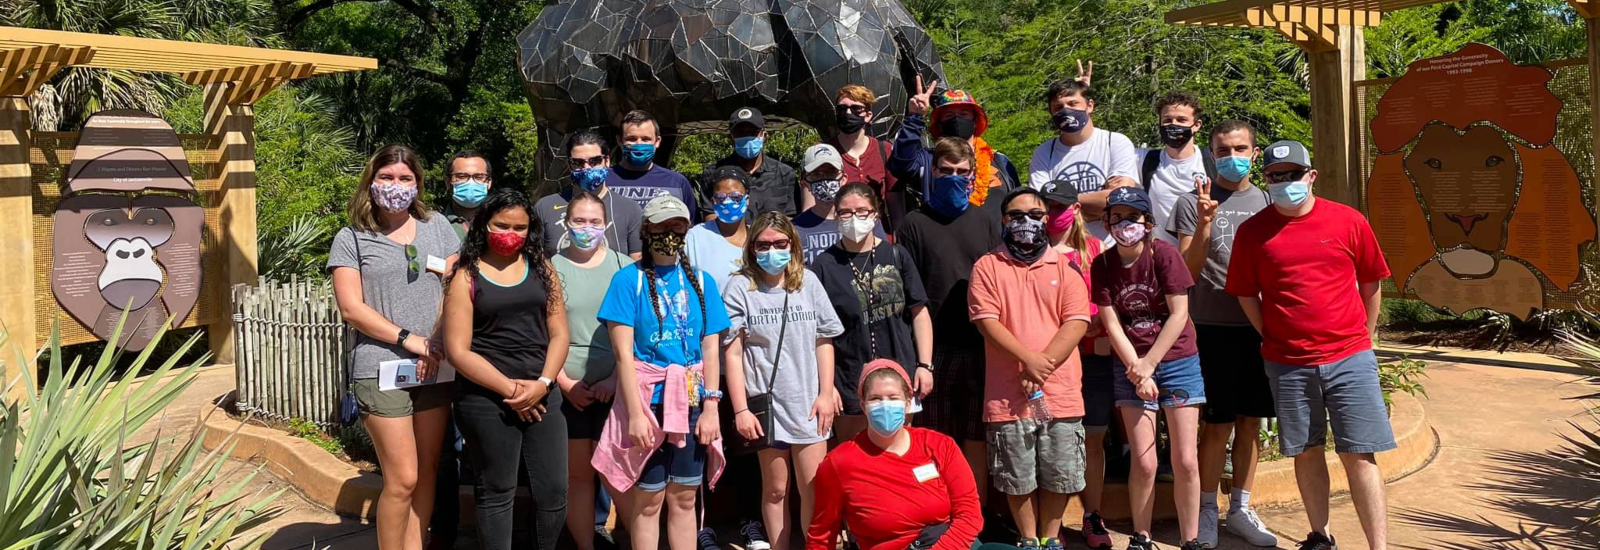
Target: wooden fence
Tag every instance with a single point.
(291, 351)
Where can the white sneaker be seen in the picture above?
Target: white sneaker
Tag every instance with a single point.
(1208, 526)
(1243, 522)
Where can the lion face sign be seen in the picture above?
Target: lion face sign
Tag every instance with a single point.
(1468, 181)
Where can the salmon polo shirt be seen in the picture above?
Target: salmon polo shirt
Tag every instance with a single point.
(1032, 301)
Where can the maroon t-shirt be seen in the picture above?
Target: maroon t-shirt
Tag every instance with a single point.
(1139, 294)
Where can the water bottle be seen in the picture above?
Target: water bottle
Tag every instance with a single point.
(1036, 404)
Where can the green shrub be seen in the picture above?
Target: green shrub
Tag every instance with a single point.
(1403, 376)
(303, 429)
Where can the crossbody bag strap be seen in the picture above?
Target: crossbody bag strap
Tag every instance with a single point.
(783, 327)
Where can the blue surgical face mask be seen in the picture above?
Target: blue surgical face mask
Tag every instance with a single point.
(951, 194)
(886, 417)
(591, 178)
(773, 261)
(640, 154)
(1289, 194)
(1233, 168)
(470, 193)
(748, 147)
(731, 211)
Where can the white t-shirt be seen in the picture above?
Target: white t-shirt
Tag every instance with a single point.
(1172, 179)
(1086, 166)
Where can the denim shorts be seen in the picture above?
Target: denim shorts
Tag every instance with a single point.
(1346, 391)
(1178, 384)
(684, 465)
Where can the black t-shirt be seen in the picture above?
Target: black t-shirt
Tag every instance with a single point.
(509, 329)
(877, 314)
(944, 251)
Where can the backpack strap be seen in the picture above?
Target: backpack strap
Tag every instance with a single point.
(1152, 160)
(1209, 162)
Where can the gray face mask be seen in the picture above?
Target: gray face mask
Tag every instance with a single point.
(1024, 239)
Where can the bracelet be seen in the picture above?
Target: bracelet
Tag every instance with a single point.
(736, 413)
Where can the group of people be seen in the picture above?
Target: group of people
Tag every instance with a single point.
(887, 333)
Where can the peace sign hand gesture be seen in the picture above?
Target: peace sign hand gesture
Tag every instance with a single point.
(1085, 75)
(1205, 207)
(919, 101)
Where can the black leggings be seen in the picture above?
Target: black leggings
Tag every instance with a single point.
(497, 441)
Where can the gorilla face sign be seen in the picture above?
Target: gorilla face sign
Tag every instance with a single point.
(117, 248)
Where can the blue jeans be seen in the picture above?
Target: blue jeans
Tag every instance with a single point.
(1178, 381)
(1347, 391)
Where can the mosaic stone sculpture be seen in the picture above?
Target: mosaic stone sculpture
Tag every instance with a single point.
(691, 63)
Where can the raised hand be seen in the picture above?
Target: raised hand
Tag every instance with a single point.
(1205, 206)
(919, 102)
(1085, 75)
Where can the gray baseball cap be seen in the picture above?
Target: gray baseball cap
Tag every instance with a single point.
(1286, 151)
(663, 208)
(821, 154)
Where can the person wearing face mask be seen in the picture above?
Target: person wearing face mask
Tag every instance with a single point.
(1142, 290)
(506, 333)
(1307, 274)
(1092, 159)
(780, 344)
(1169, 172)
(1237, 393)
(866, 158)
(954, 114)
(771, 183)
(589, 165)
(388, 268)
(663, 438)
(896, 486)
(818, 225)
(1033, 308)
(717, 245)
(470, 181)
(944, 238)
(878, 294)
(637, 176)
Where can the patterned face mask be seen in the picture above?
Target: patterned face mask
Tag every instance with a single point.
(665, 243)
(393, 197)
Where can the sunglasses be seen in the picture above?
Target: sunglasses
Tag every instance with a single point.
(1036, 215)
(595, 161)
(1281, 177)
(412, 265)
(763, 246)
(723, 197)
(852, 109)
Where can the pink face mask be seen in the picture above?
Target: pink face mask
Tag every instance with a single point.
(1060, 222)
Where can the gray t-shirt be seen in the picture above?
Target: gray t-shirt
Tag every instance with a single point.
(388, 286)
(589, 359)
(1208, 303)
(794, 383)
(623, 217)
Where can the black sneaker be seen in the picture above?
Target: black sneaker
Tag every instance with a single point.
(1318, 541)
(1141, 542)
(707, 540)
(1193, 545)
(755, 535)
(603, 540)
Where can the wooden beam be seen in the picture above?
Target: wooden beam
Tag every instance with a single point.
(17, 292)
(1334, 128)
(1584, 8)
(236, 213)
(53, 59)
(152, 54)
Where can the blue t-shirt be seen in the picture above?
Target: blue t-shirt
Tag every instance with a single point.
(709, 251)
(643, 186)
(818, 233)
(676, 338)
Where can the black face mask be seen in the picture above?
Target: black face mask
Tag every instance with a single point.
(958, 127)
(1069, 120)
(849, 123)
(1176, 136)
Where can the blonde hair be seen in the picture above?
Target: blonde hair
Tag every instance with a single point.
(794, 274)
(1077, 237)
(857, 93)
(362, 215)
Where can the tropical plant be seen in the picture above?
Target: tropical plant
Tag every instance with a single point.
(69, 479)
(292, 252)
(1404, 376)
(1583, 455)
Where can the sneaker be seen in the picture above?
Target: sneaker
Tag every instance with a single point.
(603, 540)
(1164, 473)
(1051, 543)
(1195, 545)
(755, 535)
(707, 540)
(1141, 542)
(1318, 541)
(1028, 544)
(1244, 522)
(1094, 531)
(1208, 526)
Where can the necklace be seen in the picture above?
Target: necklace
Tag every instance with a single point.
(863, 285)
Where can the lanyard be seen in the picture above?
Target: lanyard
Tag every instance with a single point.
(863, 285)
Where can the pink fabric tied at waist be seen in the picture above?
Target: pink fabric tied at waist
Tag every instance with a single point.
(618, 459)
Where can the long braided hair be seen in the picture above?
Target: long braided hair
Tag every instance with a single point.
(647, 266)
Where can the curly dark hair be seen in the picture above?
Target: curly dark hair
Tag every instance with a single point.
(476, 242)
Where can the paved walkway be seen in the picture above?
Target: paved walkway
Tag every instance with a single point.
(1495, 484)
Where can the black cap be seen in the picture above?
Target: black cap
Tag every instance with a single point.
(747, 115)
(1060, 192)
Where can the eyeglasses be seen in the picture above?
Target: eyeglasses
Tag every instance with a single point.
(463, 176)
(1036, 215)
(963, 172)
(763, 246)
(595, 161)
(412, 265)
(852, 109)
(857, 213)
(725, 197)
(1281, 177)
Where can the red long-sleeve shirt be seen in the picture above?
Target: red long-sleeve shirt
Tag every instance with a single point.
(882, 499)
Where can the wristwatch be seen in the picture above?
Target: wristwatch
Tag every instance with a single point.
(546, 381)
(400, 340)
(922, 366)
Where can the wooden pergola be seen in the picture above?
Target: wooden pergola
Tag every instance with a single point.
(1331, 34)
(233, 77)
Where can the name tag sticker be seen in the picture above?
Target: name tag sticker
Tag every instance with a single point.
(436, 264)
(926, 472)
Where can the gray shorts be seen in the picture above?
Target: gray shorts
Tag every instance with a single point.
(1346, 391)
(1023, 459)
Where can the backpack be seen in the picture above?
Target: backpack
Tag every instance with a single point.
(1152, 161)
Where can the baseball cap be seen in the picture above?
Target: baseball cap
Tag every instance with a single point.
(1286, 151)
(821, 154)
(1060, 191)
(1130, 196)
(747, 115)
(663, 208)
